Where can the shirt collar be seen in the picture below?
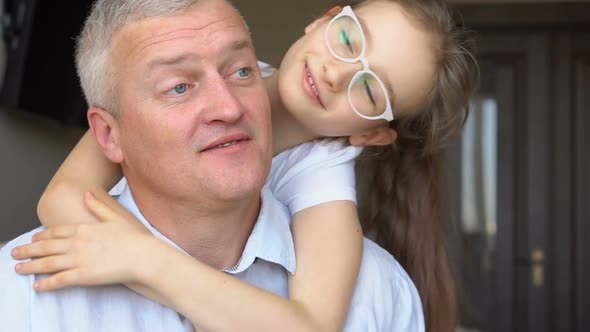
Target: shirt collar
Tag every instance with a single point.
(270, 240)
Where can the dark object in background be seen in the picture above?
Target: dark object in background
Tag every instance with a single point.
(41, 77)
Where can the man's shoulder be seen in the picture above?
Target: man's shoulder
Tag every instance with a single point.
(68, 309)
(15, 283)
(379, 269)
(16, 290)
(381, 263)
(5, 251)
(385, 298)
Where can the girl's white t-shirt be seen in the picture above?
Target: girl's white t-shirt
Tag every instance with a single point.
(313, 173)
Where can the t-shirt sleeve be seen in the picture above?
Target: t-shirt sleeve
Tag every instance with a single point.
(314, 173)
(266, 69)
(15, 294)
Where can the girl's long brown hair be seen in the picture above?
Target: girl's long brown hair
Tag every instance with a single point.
(402, 187)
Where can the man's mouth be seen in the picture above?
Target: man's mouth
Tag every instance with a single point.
(224, 144)
(227, 141)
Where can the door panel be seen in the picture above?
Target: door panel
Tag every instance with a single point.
(560, 260)
(529, 272)
(532, 242)
(582, 188)
(507, 76)
(488, 276)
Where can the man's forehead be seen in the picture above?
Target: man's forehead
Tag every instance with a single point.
(200, 15)
(206, 22)
(210, 11)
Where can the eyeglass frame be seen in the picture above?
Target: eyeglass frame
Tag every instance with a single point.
(388, 112)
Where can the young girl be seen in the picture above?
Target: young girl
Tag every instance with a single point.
(421, 74)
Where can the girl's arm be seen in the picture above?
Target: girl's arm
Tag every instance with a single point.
(85, 167)
(328, 245)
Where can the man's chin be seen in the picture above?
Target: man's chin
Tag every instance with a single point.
(235, 184)
(239, 191)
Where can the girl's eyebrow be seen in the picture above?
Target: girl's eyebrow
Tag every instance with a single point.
(365, 27)
(369, 40)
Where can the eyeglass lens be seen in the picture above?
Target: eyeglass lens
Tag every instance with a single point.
(346, 41)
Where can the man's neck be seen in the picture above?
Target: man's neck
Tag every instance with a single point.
(215, 237)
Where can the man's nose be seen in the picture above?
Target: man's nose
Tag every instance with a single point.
(337, 74)
(221, 100)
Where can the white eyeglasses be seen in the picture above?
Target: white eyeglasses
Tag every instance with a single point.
(366, 92)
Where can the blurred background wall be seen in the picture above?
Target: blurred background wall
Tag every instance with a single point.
(520, 176)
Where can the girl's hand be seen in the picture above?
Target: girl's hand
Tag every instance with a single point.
(88, 254)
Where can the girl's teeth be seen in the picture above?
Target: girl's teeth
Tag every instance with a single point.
(310, 80)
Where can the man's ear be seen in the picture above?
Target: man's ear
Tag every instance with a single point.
(382, 135)
(324, 18)
(105, 129)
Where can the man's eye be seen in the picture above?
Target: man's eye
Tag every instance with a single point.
(179, 89)
(244, 72)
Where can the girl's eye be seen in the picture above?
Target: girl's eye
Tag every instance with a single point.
(345, 40)
(179, 89)
(369, 93)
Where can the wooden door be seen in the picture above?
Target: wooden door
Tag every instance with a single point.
(581, 183)
(520, 176)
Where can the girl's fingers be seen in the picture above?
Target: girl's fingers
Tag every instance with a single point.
(98, 208)
(115, 206)
(50, 264)
(41, 249)
(69, 278)
(106, 209)
(106, 199)
(56, 232)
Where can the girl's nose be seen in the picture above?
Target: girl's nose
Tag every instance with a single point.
(337, 74)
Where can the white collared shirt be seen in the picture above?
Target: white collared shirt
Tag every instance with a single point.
(385, 299)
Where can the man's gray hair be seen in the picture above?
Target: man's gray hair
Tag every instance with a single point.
(93, 51)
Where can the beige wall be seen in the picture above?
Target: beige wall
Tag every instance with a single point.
(31, 149)
(276, 24)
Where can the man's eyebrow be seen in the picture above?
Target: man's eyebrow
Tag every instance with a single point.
(168, 61)
(186, 58)
(239, 45)
(369, 40)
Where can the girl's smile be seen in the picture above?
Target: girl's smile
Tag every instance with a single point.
(310, 86)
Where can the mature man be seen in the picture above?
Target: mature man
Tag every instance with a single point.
(196, 163)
